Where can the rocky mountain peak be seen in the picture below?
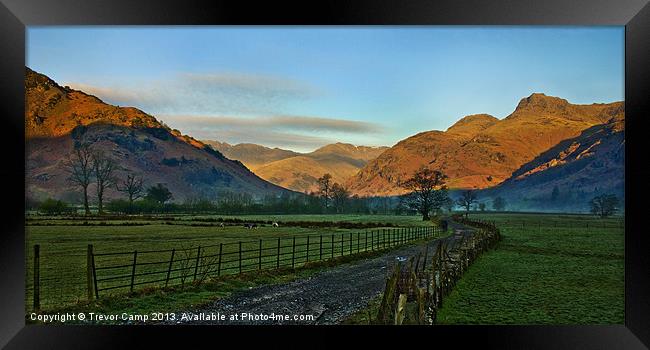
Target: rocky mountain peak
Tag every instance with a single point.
(540, 101)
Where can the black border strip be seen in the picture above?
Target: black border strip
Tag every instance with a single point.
(16, 14)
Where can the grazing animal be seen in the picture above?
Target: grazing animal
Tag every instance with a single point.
(221, 224)
(250, 226)
(275, 224)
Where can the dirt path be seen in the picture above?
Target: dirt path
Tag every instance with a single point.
(327, 297)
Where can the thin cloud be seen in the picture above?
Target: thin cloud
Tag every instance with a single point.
(221, 93)
(123, 97)
(304, 123)
(209, 106)
(297, 142)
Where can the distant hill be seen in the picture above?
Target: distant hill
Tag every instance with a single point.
(481, 151)
(57, 118)
(300, 171)
(252, 155)
(577, 169)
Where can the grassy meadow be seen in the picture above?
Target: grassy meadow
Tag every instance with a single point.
(548, 269)
(63, 245)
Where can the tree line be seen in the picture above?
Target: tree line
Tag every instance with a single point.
(88, 168)
(426, 194)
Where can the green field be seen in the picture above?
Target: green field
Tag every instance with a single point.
(63, 246)
(549, 269)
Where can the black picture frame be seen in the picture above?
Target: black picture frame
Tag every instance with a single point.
(15, 15)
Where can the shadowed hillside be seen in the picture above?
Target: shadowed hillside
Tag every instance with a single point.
(576, 170)
(57, 119)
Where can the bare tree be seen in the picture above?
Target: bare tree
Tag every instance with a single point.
(466, 200)
(104, 168)
(80, 169)
(340, 197)
(428, 191)
(133, 187)
(325, 188)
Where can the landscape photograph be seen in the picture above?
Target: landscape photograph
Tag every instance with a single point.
(314, 175)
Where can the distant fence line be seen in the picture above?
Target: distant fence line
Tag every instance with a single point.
(560, 224)
(107, 272)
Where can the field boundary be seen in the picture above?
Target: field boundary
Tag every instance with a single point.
(416, 288)
(123, 272)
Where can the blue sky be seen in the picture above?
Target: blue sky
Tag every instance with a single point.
(303, 87)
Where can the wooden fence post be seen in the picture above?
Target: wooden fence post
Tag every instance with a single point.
(196, 265)
(350, 243)
(307, 248)
(169, 269)
(366, 241)
(219, 263)
(239, 256)
(387, 237)
(94, 275)
(135, 259)
(358, 239)
(388, 232)
(37, 277)
(277, 262)
(293, 253)
(89, 271)
(259, 261)
(372, 240)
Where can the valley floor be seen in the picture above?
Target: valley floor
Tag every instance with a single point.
(550, 269)
(63, 243)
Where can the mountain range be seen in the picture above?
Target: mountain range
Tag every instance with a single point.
(547, 150)
(59, 118)
(570, 173)
(481, 151)
(300, 171)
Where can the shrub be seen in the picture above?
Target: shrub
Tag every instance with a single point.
(120, 206)
(54, 207)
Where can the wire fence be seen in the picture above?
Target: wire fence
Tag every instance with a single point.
(100, 274)
(595, 224)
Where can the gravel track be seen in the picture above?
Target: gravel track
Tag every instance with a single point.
(328, 297)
